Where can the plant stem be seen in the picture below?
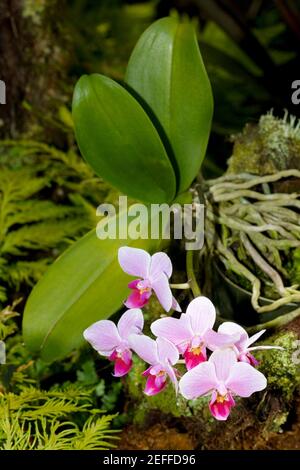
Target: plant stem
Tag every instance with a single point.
(191, 273)
(185, 285)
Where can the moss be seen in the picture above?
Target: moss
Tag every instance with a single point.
(165, 401)
(270, 146)
(134, 379)
(152, 311)
(279, 367)
(277, 422)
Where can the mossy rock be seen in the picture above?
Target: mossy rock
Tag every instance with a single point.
(280, 367)
(271, 145)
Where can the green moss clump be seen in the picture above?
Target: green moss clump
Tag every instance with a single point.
(279, 367)
(165, 401)
(152, 311)
(270, 146)
(275, 424)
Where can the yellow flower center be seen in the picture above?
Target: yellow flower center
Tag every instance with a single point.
(144, 289)
(196, 351)
(221, 398)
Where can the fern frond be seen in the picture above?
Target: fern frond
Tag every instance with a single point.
(8, 327)
(52, 408)
(30, 395)
(6, 330)
(40, 420)
(69, 392)
(55, 435)
(42, 236)
(17, 185)
(30, 224)
(25, 272)
(25, 212)
(96, 434)
(13, 435)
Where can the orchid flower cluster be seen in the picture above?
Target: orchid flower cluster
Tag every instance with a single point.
(219, 363)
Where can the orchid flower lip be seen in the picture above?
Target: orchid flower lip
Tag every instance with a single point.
(220, 405)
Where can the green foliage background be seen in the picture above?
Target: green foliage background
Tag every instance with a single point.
(48, 195)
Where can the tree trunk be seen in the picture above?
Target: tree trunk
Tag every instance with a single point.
(32, 61)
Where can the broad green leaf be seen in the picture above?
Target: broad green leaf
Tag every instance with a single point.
(167, 72)
(117, 138)
(84, 285)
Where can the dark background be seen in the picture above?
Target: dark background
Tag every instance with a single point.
(251, 49)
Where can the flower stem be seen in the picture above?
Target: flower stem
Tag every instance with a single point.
(184, 285)
(191, 273)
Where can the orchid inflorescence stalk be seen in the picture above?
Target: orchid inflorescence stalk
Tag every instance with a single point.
(219, 363)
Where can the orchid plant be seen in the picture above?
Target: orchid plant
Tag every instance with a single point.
(147, 138)
(219, 364)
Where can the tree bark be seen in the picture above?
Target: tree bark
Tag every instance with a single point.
(32, 61)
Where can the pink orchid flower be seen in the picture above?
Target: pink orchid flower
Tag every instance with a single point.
(222, 377)
(161, 355)
(153, 273)
(241, 346)
(192, 333)
(112, 341)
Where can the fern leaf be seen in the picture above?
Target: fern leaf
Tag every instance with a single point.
(42, 236)
(40, 420)
(25, 272)
(96, 434)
